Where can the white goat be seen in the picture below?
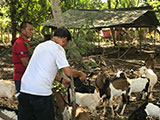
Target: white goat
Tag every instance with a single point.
(146, 109)
(7, 89)
(64, 112)
(119, 86)
(88, 100)
(140, 85)
(152, 77)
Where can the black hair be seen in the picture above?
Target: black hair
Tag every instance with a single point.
(24, 24)
(62, 33)
(47, 37)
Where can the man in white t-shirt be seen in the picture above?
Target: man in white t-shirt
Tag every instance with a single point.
(35, 99)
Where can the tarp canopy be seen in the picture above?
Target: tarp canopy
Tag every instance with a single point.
(107, 18)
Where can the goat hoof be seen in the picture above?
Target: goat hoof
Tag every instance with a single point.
(121, 113)
(119, 116)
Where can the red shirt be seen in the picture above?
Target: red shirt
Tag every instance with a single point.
(19, 50)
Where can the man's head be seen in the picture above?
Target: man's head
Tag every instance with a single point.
(26, 29)
(62, 36)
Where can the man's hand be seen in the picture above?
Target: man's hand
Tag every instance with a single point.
(82, 76)
(66, 82)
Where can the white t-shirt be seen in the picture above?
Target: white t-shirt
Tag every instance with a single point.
(47, 58)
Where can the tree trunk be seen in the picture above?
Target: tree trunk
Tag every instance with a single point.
(113, 32)
(13, 17)
(109, 4)
(111, 29)
(8, 36)
(57, 13)
(140, 39)
(1, 34)
(116, 4)
(58, 18)
(26, 11)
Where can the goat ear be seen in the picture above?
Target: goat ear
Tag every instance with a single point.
(99, 81)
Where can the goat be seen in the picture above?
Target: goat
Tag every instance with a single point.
(141, 85)
(151, 75)
(133, 74)
(62, 110)
(151, 61)
(7, 89)
(5, 117)
(146, 109)
(83, 88)
(88, 100)
(81, 113)
(119, 86)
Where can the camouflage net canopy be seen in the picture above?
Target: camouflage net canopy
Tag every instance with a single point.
(77, 18)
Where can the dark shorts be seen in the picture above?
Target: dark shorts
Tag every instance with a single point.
(17, 85)
(32, 107)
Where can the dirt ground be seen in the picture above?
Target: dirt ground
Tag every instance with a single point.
(128, 59)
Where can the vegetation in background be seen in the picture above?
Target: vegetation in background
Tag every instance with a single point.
(13, 12)
(82, 44)
(39, 11)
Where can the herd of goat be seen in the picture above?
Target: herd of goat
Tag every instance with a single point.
(105, 90)
(120, 86)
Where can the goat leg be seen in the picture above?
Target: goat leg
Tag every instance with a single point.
(122, 111)
(111, 106)
(119, 103)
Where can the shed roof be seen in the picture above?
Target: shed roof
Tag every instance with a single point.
(76, 18)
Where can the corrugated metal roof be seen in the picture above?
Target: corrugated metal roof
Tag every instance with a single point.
(106, 18)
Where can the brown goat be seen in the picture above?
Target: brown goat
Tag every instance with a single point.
(59, 105)
(119, 86)
(81, 113)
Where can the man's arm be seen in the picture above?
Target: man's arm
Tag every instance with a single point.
(25, 61)
(70, 72)
(58, 78)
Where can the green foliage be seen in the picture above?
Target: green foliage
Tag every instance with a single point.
(82, 44)
(156, 6)
(14, 10)
(89, 64)
(4, 20)
(57, 85)
(121, 4)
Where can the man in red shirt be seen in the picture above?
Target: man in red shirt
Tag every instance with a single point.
(21, 52)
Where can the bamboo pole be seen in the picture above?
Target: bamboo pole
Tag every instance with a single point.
(73, 98)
